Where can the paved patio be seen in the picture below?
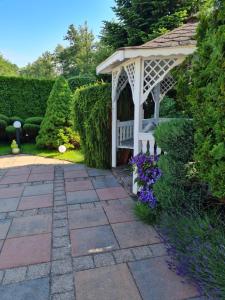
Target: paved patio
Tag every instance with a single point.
(68, 232)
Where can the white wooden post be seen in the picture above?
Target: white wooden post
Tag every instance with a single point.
(114, 131)
(137, 113)
(157, 102)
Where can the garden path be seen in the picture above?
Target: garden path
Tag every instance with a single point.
(68, 232)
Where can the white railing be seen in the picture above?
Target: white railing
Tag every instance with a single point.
(147, 143)
(125, 133)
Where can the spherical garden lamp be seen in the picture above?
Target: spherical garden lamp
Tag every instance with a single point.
(17, 125)
(62, 149)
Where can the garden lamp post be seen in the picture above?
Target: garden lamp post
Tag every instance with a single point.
(17, 125)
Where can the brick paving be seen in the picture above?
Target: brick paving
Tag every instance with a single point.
(68, 232)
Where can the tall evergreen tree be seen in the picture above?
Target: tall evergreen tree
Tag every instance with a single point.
(7, 68)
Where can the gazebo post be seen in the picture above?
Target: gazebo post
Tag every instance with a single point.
(137, 113)
(157, 102)
(114, 131)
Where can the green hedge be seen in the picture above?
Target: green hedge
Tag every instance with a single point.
(93, 122)
(24, 97)
(78, 81)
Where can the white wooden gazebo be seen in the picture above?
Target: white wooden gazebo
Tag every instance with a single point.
(147, 69)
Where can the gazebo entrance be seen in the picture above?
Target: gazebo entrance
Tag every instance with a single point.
(147, 70)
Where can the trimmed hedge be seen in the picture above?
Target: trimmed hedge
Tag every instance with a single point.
(5, 118)
(78, 81)
(10, 132)
(24, 97)
(93, 122)
(30, 131)
(34, 120)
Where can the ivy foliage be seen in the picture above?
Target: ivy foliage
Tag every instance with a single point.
(58, 115)
(205, 92)
(24, 97)
(80, 80)
(93, 122)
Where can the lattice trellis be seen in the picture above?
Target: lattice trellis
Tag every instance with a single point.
(121, 83)
(154, 71)
(166, 84)
(130, 70)
(114, 83)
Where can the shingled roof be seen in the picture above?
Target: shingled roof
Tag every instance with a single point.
(181, 36)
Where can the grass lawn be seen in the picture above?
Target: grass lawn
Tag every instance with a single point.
(75, 156)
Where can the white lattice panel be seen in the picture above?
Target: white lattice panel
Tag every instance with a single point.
(130, 69)
(154, 71)
(114, 83)
(121, 83)
(166, 84)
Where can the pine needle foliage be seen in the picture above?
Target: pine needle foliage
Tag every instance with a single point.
(93, 122)
(58, 115)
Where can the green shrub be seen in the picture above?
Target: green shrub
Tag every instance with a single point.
(30, 131)
(178, 188)
(10, 132)
(24, 97)
(78, 81)
(93, 122)
(206, 94)
(69, 138)
(147, 214)
(168, 108)
(34, 120)
(58, 115)
(197, 244)
(3, 125)
(5, 118)
(15, 118)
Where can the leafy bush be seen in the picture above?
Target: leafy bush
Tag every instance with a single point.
(10, 132)
(168, 108)
(78, 81)
(177, 188)
(5, 118)
(15, 118)
(24, 97)
(145, 213)
(206, 94)
(93, 122)
(30, 131)
(69, 138)
(196, 244)
(3, 125)
(58, 115)
(34, 120)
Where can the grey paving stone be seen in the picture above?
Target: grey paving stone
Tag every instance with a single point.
(61, 242)
(3, 215)
(81, 197)
(14, 275)
(87, 205)
(41, 189)
(61, 231)
(155, 280)
(74, 206)
(38, 271)
(142, 252)
(44, 210)
(15, 214)
(60, 209)
(83, 263)
(63, 296)
(59, 193)
(59, 215)
(158, 249)
(60, 198)
(98, 172)
(30, 212)
(4, 227)
(33, 289)
(1, 244)
(60, 267)
(123, 255)
(105, 182)
(60, 203)
(10, 204)
(104, 259)
(60, 253)
(60, 223)
(1, 276)
(62, 283)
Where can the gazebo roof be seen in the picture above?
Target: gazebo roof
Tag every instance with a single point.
(178, 42)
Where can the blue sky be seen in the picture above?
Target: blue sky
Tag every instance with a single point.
(30, 27)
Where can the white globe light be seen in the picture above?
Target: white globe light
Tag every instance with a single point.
(17, 124)
(62, 149)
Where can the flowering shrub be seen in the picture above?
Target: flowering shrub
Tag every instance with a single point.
(148, 173)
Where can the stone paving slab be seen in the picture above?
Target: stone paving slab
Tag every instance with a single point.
(111, 283)
(80, 185)
(38, 201)
(105, 182)
(9, 204)
(82, 197)
(111, 193)
(34, 289)
(155, 281)
(36, 190)
(11, 192)
(4, 227)
(14, 179)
